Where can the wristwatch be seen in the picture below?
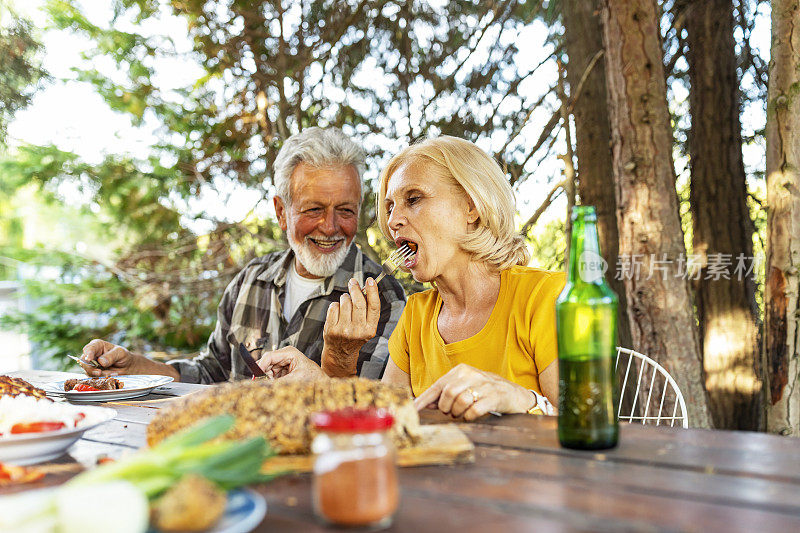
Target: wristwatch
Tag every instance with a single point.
(542, 405)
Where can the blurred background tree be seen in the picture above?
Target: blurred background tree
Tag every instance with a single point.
(19, 63)
(21, 75)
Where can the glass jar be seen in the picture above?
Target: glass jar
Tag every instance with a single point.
(355, 477)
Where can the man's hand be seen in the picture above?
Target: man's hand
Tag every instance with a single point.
(289, 363)
(349, 325)
(468, 392)
(116, 360)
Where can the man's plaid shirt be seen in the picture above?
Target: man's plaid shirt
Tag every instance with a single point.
(251, 313)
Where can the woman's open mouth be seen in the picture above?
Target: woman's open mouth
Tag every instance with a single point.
(414, 247)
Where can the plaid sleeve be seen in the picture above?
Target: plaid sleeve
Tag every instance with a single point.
(375, 353)
(213, 365)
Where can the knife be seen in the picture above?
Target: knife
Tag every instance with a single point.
(250, 362)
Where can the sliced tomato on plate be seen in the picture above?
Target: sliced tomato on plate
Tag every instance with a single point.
(79, 417)
(36, 427)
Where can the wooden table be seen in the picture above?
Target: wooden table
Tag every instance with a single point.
(522, 480)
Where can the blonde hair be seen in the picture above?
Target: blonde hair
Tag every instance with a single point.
(494, 241)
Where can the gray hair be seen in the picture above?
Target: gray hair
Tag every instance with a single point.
(317, 147)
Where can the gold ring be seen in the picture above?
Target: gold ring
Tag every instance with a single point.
(475, 395)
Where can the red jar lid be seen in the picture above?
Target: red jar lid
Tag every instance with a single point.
(352, 420)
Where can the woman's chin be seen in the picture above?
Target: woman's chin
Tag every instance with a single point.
(420, 277)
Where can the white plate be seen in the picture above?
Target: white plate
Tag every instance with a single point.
(30, 448)
(244, 511)
(134, 386)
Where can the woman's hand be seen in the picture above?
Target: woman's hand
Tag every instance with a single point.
(291, 363)
(349, 325)
(471, 393)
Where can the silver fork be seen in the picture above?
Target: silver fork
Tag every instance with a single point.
(95, 364)
(394, 261)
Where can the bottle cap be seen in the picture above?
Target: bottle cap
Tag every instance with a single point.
(352, 420)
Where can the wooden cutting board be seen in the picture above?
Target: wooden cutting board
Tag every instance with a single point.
(441, 444)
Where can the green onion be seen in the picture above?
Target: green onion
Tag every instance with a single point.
(229, 464)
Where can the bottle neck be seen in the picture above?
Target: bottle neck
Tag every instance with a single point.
(585, 261)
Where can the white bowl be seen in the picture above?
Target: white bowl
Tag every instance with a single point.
(30, 448)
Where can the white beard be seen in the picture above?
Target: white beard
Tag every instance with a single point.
(318, 264)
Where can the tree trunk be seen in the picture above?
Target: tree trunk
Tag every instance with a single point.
(584, 38)
(781, 342)
(726, 302)
(659, 304)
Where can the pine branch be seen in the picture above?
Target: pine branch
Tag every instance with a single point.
(513, 88)
(554, 120)
(500, 11)
(552, 195)
(568, 157)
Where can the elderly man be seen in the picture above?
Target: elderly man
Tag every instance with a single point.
(276, 307)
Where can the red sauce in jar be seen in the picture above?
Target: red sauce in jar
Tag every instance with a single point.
(355, 477)
(358, 492)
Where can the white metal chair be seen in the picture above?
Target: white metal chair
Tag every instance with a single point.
(648, 383)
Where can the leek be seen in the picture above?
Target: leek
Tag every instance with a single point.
(229, 464)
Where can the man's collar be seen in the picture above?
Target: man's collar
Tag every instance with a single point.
(350, 268)
(278, 271)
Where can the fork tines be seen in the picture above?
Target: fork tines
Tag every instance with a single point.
(393, 262)
(400, 256)
(94, 364)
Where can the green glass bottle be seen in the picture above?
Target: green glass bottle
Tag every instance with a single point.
(586, 321)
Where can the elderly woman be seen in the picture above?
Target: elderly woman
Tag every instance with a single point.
(483, 339)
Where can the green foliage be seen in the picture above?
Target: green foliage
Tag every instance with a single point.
(19, 65)
(549, 246)
(21, 74)
(86, 300)
(159, 289)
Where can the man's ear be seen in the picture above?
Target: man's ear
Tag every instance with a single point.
(280, 212)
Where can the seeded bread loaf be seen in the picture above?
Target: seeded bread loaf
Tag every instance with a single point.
(19, 387)
(279, 410)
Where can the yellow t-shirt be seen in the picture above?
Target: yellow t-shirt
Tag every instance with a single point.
(517, 342)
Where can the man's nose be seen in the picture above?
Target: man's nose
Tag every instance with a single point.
(328, 223)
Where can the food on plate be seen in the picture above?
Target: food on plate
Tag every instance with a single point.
(279, 410)
(19, 387)
(116, 506)
(192, 504)
(93, 384)
(115, 496)
(153, 471)
(36, 427)
(26, 414)
(13, 474)
(122, 506)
